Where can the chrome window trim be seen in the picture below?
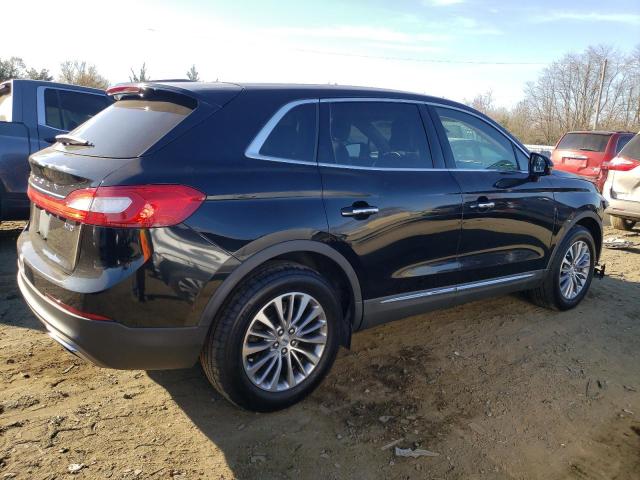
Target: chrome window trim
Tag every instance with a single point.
(253, 150)
(460, 287)
(40, 109)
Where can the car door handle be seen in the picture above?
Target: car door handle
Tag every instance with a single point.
(358, 211)
(483, 205)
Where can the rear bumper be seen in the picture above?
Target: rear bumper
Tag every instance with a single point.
(623, 208)
(112, 345)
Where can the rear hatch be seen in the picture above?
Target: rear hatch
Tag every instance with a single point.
(581, 153)
(134, 126)
(624, 173)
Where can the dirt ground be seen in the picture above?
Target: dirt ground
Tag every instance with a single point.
(499, 389)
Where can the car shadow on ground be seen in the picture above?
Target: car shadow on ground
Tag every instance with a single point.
(13, 310)
(338, 408)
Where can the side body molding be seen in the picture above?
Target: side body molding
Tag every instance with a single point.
(292, 246)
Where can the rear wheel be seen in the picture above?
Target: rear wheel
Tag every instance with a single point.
(569, 277)
(275, 339)
(622, 223)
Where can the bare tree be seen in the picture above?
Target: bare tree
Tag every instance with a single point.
(193, 74)
(142, 76)
(565, 95)
(79, 73)
(482, 102)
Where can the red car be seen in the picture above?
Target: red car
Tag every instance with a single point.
(588, 153)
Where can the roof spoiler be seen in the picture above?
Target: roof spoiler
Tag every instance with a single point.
(155, 91)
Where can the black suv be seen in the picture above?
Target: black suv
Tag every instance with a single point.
(257, 226)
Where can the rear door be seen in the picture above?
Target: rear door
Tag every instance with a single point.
(508, 217)
(397, 218)
(61, 110)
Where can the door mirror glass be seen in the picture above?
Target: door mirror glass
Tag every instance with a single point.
(539, 164)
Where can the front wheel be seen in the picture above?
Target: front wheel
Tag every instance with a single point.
(569, 277)
(275, 339)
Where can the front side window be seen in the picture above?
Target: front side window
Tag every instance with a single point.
(294, 137)
(378, 135)
(65, 110)
(475, 144)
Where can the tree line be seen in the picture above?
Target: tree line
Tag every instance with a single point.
(598, 88)
(75, 72)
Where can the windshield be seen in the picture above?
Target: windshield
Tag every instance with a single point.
(128, 128)
(632, 149)
(591, 142)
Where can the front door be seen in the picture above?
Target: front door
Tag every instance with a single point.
(396, 217)
(508, 217)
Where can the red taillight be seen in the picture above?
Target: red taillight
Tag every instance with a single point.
(141, 206)
(623, 164)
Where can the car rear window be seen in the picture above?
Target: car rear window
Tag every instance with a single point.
(589, 142)
(6, 105)
(128, 128)
(632, 149)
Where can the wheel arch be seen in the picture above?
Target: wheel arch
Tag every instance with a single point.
(587, 219)
(316, 255)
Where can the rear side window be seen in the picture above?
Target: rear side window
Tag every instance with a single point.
(378, 135)
(6, 105)
(475, 144)
(632, 149)
(128, 128)
(588, 142)
(622, 141)
(294, 137)
(65, 110)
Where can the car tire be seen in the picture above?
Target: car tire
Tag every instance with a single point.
(225, 357)
(621, 223)
(552, 293)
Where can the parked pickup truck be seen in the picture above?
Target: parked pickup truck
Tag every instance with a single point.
(32, 113)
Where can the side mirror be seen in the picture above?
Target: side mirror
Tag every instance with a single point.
(539, 165)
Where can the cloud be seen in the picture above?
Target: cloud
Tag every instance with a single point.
(558, 16)
(360, 33)
(442, 3)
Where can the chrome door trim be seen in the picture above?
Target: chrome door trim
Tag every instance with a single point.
(460, 287)
(253, 150)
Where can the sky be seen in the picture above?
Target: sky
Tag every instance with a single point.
(448, 48)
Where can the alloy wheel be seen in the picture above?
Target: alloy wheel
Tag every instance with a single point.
(574, 270)
(284, 342)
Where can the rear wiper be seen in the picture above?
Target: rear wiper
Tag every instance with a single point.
(67, 139)
(583, 149)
